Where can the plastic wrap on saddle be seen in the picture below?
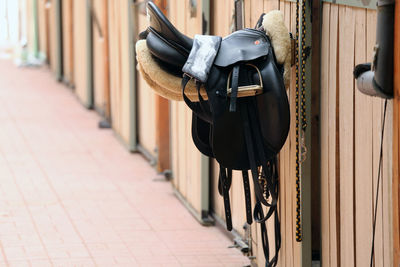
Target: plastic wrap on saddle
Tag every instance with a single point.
(201, 58)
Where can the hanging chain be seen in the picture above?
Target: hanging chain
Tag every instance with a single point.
(300, 108)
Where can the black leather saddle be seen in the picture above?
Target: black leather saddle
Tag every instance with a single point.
(245, 120)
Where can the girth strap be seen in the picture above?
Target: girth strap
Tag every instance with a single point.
(268, 172)
(251, 156)
(247, 197)
(224, 184)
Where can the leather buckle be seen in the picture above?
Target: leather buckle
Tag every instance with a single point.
(246, 90)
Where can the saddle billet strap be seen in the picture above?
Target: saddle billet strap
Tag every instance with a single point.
(228, 175)
(268, 166)
(271, 184)
(277, 226)
(251, 154)
(247, 197)
(260, 218)
(264, 237)
(235, 86)
(224, 184)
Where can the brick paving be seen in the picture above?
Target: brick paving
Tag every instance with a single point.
(71, 195)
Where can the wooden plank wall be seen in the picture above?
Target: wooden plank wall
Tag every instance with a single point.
(186, 158)
(350, 138)
(146, 103)
(120, 69)
(350, 129)
(80, 61)
(67, 37)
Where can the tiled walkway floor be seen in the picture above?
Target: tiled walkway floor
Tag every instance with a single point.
(71, 195)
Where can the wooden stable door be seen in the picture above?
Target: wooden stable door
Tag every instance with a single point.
(101, 76)
(153, 110)
(82, 53)
(122, 71)
(67, 38)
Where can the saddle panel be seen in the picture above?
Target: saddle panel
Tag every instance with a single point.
(164, 51)
(201, 131)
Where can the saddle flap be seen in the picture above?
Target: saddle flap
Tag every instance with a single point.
(243, 45)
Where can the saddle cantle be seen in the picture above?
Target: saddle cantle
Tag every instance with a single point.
(164, 40)
(243, 120)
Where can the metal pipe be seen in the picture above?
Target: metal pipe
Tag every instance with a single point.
(376, 79)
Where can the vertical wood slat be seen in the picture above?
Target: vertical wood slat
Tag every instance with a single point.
(333, 136)
(107, 96)
(257, 8)
(147, 106)
(271, 5)
(324, 115)
(42, 27)
(377, 105)
(100, 60)
(396, 143)
(101, 73)
(283, 165)
(80, 39)
(52, 36)
(283, 172)
(162, 130)
(363, 175)
(68, 56)
(290, 233)
(346, 138)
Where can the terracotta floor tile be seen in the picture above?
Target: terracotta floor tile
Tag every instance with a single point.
(72, 195)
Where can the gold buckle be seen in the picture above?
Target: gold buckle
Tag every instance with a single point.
(246, 90)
